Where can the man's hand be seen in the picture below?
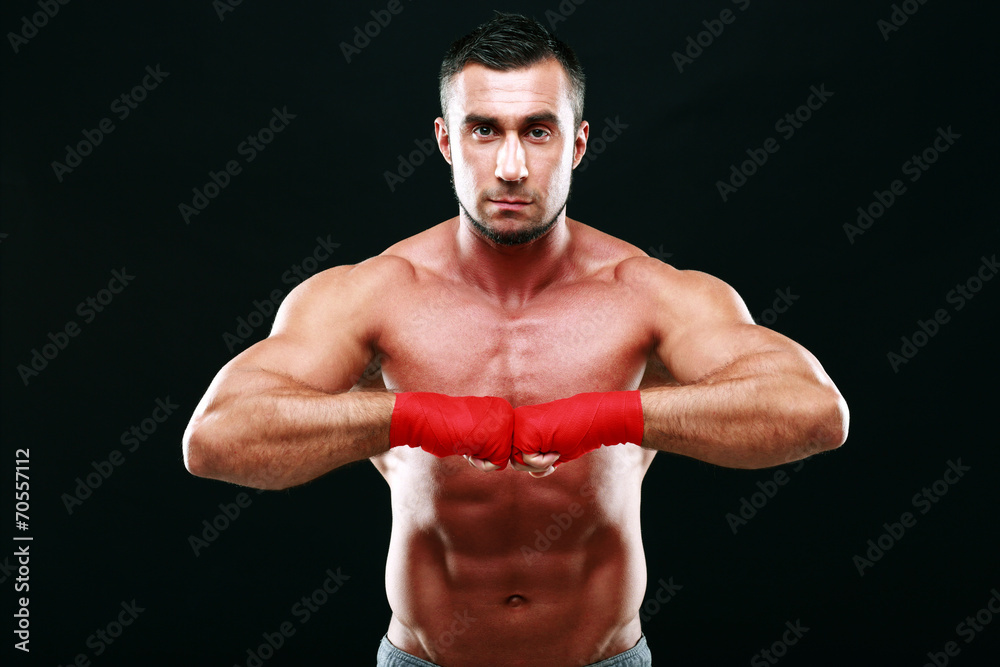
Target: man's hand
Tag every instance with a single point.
(537, 465)
(549, 434)
(478, 427)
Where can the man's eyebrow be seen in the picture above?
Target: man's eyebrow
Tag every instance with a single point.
(543, 117)
(546, 117)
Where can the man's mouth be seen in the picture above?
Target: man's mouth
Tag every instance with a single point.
(511, 204)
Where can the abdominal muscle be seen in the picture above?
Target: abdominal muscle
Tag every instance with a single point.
(504, 569)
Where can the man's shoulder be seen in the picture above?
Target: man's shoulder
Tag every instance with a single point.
(599, 252)
(354, 283)
(393, 267)
(617, 258)
(663, 281)
(426, 248)
(681, 294)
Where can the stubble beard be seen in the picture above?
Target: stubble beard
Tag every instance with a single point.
(513, 238)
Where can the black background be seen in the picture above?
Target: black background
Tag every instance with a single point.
(654, 186)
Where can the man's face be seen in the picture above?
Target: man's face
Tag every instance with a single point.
(512, 146)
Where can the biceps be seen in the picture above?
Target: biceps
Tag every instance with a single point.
(700, 352)
(331, 365)
(738, 350)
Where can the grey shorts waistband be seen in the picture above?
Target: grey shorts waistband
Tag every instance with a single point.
(637, 656)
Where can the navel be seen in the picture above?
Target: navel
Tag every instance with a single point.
(515, 601)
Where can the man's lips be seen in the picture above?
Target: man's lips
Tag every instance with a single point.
(511, 204)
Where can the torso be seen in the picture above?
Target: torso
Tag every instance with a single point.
(501, 568)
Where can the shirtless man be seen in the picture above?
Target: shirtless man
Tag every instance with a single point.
(580, 339)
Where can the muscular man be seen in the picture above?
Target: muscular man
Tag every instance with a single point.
(519, 341)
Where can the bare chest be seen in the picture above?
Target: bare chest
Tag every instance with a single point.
(449, 339)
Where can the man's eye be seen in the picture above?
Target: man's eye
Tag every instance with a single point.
(542, 133)
(482, 134)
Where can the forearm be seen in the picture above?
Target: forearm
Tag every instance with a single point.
(760, 411)
(277, 434)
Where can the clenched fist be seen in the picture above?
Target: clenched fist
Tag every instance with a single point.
(473, 426)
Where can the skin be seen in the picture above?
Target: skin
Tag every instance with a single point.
(504, 564)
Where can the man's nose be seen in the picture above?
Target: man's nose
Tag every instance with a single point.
(511, 160)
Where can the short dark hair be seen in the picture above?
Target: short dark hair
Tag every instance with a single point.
(508, 42)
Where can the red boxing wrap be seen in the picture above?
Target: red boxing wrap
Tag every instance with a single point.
(579, 424)
(443, 425)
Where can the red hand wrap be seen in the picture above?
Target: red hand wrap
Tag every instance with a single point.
(443, 425)
(579, 424)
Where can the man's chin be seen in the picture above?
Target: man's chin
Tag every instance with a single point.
(501, 235)
(508, 229)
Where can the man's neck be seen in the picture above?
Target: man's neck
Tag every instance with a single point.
(511, 274)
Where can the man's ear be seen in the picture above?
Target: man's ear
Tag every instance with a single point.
(580, 145)
(443, 138)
